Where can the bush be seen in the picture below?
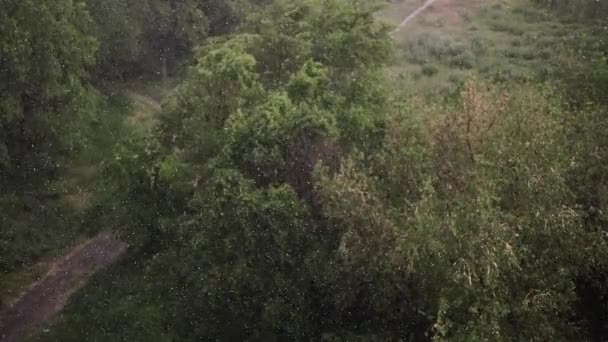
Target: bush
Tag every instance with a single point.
(429, 70)
(465, 60)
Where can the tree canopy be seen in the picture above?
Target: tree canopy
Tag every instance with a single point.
(46, 48)
(153, 37)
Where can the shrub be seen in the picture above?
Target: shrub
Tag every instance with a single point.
(429, 70)
(465, 60)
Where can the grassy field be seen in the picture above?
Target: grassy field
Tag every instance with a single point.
(394, 12)
(502, 41)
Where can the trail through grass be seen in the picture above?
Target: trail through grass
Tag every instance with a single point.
(502, 41)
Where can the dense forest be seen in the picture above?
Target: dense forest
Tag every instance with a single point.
(309, 170)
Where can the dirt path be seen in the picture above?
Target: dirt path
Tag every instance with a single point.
(413, 15)
(48, 296)
(451, 12)
(145, 100)
(448, 12)
(145, 109)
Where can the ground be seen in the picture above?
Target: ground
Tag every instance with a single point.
(48, 296)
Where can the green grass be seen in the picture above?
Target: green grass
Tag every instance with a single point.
(507, 42)
(394, 13)
(121, 304)
(35, 230)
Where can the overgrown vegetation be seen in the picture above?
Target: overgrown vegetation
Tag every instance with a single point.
(502, 41)
(289, 189)
(61, 112)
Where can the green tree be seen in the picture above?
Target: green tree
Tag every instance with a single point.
(118, 27)
(46, 103)
(45, 48)
(229, 172)
(493, 238)
(152, 37)
(172, 28)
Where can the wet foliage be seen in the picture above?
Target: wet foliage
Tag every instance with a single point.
(284, 192)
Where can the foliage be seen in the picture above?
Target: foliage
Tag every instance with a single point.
(21, 239)
(283, 195)
(577, 8)
(226, 179)
(46, 106)
(119, 30)
(153, 37)
(493, 241)
(508, 43)
(44, 95)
